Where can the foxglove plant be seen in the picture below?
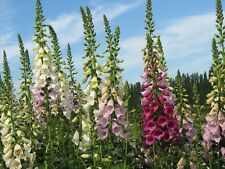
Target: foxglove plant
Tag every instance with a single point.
(45, 81)
(159, 123)
(86, 136)
(7, 121)
(66, 97)
(111, 115)
(214, 129)
(187, 129)
(183, 109)
(45, 90)
(25, 116)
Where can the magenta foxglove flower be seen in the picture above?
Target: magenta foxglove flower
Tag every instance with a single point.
(159, 122)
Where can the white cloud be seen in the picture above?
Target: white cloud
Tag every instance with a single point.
(131, 51)
(69, 26)
(186, 44)
(188, 36)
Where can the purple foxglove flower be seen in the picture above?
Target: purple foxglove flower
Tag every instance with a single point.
(116, 129)
(103, 122)
(100, 112)
(149, 127)
(165, 92)
(172, 124)
(102, 132)
(109, 107)
(167, 136)
(125, 135)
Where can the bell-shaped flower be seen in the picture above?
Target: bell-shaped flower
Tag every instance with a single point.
(102, 132)
(94, 82)
(76, 138)
(18, 152)
(15, 164)
(116, 129)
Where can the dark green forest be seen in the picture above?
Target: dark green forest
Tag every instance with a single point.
(189, 81)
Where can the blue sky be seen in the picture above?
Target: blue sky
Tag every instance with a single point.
(186, 29)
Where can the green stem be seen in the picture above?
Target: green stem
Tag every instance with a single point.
(125, 156)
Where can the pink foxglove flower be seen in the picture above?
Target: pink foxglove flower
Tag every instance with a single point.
(114, 110)
(222, 150)
(213, 132)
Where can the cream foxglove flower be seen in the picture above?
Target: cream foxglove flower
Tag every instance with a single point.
(8, 155)
(180, 164)
(87, 89)
(18, 152)
(76, 138)
(15, 164)
(94, 82)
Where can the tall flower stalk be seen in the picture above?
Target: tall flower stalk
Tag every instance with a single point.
(184, 114)
(160, 126)
(214, 129)
(183, 109)
(11, 149)
(110, 116)
(25, 116)
(66, 96)
(86, 138)
(45, 88)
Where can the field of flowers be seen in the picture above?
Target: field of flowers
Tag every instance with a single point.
(53, 122)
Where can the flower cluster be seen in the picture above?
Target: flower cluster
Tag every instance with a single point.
(214, 131)
(83, 140)
(13, 152)
(157, 104)
(111, 111)
(183, 109)
(46, 85)
(66, 96)
(189, 130)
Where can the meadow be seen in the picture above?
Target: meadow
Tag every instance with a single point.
(55, 122)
